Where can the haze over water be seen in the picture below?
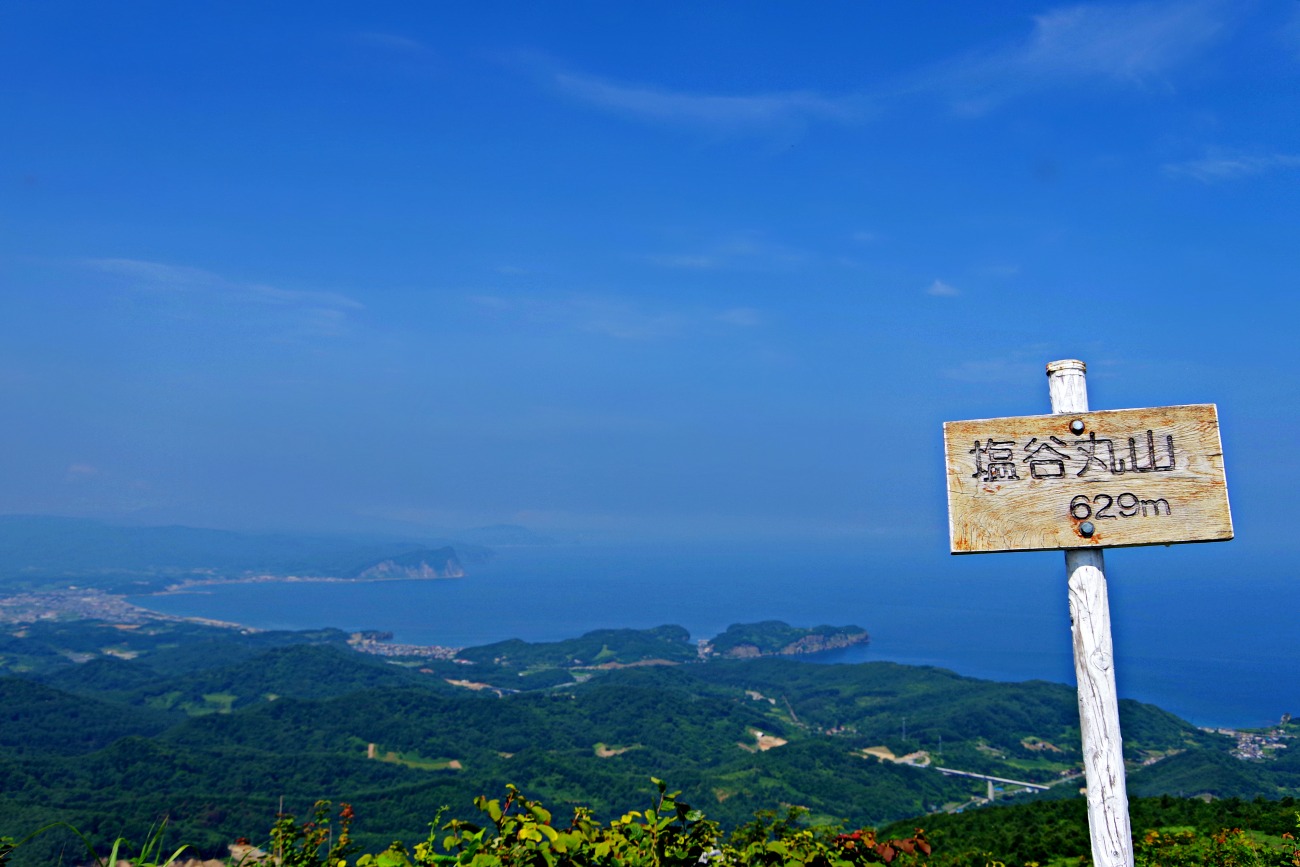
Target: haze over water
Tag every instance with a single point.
(1191, 635)
(619, 274)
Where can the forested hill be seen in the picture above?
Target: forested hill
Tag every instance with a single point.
(662, 645)
(213, 726)
(775, 638)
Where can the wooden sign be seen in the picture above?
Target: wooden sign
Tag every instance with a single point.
(1086, 480)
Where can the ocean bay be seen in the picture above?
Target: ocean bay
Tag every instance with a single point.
(1214, 651)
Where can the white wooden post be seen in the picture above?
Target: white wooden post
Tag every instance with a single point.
(1094, 666)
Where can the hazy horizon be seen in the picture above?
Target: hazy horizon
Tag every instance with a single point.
(615, 273)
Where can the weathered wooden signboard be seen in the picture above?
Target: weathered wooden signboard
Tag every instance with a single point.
(1086, 480)
(1083, 481)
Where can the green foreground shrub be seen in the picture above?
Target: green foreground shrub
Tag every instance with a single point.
(520, 833)
(516, 831)
(1231, 847)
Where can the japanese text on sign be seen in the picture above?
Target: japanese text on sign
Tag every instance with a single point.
(1031, 482)
(1052, 458)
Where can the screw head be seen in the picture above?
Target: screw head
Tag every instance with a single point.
(1076, 426)
(1087, 529)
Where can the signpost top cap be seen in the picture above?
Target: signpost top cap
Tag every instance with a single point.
(1066, 364)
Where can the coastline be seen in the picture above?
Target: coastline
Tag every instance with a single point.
(77, 603)
(916, 616)
(186, 585)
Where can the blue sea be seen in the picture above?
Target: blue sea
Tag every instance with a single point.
(1193, 634)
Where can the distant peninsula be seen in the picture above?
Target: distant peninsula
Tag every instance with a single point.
(50, 554)
(421, 564)
(776, 638)
(504, 662)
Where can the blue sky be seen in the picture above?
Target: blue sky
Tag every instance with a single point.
(626, 270)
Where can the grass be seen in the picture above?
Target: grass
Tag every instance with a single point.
(150, 853)
(417, 762)
(222, 702)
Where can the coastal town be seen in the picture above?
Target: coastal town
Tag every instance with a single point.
(84, 603)
(1258, 744)
(381, 644)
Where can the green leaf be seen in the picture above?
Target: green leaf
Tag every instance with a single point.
(392, 859)
(174, 856)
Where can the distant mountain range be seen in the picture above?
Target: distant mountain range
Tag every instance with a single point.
(504, 536)
(43, 551)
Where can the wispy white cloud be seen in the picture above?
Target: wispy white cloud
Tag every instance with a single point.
(689, 261)
(740, 250)
(942, 290)
(492, 302)
(1290, 32)
(390, 41)
(741, 317)
(722, 113)
(1026, 363)
(1135, 44)
(318, 313)
(1128, 43)
(1229, 166)
(611, 317)
(626, 321)
(159, 276)
(1012, 369)
(622, 319)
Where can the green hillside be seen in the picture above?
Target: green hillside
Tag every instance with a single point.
(59, 648)
(602, 647)
(771, 637)
(41, 721)
(213, 726)
(302, 671)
